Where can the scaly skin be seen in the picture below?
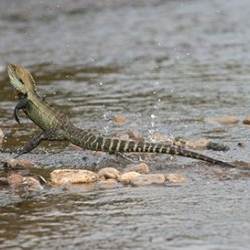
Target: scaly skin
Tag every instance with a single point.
(57, 126)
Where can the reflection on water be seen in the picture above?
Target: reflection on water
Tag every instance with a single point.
(166, 65)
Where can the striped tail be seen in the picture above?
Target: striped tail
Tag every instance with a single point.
(113, 145)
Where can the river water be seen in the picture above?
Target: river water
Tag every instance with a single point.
(167, 66)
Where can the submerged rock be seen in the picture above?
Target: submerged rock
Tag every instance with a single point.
(126, 178)
(224, 120)
(198, 144)
(119, 119)
(23, 183)
(148, 179)
(1, 136)
(109, 173)
(175, 178)
(71, 176)
(108, 184)
(141, 168)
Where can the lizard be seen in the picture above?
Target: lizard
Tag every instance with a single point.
(56, 126)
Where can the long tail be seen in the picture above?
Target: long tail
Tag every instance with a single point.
(113, 145)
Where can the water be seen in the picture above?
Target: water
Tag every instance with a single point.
(165, 65)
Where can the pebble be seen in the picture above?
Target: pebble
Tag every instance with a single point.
(18, 164)
(247, 120)
(23, 183)
(32, 184)
(141, 168)
(224, 120)
(128, 177)
(198, 144)
(119, 120)
(3, 181)
(175, 178)
(72, 176)
(148, 179)
(109, 173)
(107, 184)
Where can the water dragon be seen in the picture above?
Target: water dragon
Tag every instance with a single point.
(56, 126)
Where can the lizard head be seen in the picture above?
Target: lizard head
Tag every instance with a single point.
(21, 79)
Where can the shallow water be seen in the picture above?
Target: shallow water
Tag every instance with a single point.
(165, 65)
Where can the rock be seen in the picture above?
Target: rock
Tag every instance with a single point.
(135, 135)
(242, 164)
(119, 120)
(109, 173)
(197, 144)
(175, 178)
(247, 120)
(72, 176)
(108, 184)
(141, 168)
(126, 178)
(224, 120)
(16, 164)
(15, 180)
(31, 184)
(148, 179)
(23, 183)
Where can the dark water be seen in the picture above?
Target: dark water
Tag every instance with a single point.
(165, 65)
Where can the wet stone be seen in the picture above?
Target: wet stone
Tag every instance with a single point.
(141, 168)
(148, 179)
(197, 144)
(128, 177)
(72, 176)
(108, 184)
(3, 181)
(224, 120)
(1, 135)
(109, 173)
(175, 178)
(119, 120)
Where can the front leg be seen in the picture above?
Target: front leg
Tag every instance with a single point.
(37, 139)
(20, 105)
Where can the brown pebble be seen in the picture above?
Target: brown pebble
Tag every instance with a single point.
(126, 178)
(148, 179)
(198, 144)
(71, 176)
(32, 184)
(18, 164)
(224, 120)
(247, 120)
(15, 180)
(107, 184)
(135, 135)
(141, 168)
(175, 178)
(119, 119)
(109, 173)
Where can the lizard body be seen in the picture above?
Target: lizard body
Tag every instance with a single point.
(56, 125)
